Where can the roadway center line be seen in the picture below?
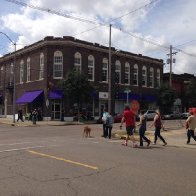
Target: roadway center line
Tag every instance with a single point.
(62, 159)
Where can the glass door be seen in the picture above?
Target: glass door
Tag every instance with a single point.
(56, 110)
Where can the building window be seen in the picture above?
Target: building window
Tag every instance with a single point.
(78, 62)
(41, 62)
(2, 76)
(11, 72)
(151, 78)
(28, 69)
(58, 65)
(144, 76)
(91, 66)
(127, 73)
(105, 70)
(135, 75)
(21, 71)
(118, 72)
(158, 78)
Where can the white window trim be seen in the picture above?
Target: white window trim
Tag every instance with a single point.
(57, 54)
(21, 72)
(158, 77)
(144, 75)
(127, 65)
(135, 67)
(28, 69)
(117, 63)
(105, 61)
(41, 71)
(151, 76)
(78, 66)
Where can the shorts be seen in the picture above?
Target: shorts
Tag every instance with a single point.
(129, 130)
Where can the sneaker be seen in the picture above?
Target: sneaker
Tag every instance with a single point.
(135, 145)
(154, 143)
(165, 144)
(187, 142)
(124, 144)
(148, 143)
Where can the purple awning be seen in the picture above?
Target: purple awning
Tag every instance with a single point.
(29, 97)
(56, 94)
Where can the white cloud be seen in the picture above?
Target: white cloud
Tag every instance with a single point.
(166, 22)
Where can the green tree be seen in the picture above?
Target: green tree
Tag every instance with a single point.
(77, 88)
(190, 94)
(166, 98)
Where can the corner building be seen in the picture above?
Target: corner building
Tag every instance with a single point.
(39, 68)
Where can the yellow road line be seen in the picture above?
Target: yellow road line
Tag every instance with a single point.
(62, 159)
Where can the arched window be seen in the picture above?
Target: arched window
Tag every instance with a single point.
(11, 72)
(28, 69)
(127, 73)
(21, 71)
(135, 75)
(158, 78)
(105, 70)
(144, 76)
(118, 72)
(58, 65)
(151, 78)
(41, 65)
(91, 65)
(78, 62)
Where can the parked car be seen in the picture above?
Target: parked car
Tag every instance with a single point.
(150, 114)
(168, 116)
(185, 115)
(117, 118)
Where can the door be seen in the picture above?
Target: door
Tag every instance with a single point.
(56, 110)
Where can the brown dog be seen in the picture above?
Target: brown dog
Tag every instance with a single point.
(87, 131)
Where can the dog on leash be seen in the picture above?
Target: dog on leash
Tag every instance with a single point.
(87, 131)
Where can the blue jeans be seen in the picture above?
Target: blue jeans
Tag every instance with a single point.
(142, 136)
(157, 134)
(108, 132)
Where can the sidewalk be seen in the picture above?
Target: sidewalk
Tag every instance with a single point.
(27, 123)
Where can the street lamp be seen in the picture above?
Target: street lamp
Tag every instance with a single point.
(127, 91)
(14, 82)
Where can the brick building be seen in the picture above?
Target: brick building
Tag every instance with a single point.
(179, 85)
(40, 67)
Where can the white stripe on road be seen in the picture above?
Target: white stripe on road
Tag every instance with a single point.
(26, 148)
(15, 144)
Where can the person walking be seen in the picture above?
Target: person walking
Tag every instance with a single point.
(104, 117)
(190, 126)
(158, 125)
(109, 125)
(129, 119)
(20, 115)
(34, 116)
(142, 129)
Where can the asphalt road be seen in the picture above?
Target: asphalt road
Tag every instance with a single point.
(58, 161)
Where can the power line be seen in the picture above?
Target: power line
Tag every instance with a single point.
(99, 24)
(146, 5)
(51, 11)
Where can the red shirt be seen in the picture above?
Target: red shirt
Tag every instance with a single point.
(129, 118)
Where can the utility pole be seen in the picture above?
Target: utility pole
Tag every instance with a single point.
(109, 74)
(14, 77)
(170, 60)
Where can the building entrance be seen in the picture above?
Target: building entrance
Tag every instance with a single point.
(56, 109)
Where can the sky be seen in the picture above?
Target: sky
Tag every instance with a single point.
(146, 27)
